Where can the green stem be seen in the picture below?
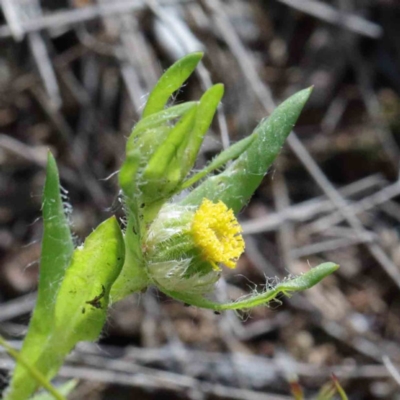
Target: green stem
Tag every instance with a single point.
(286, 288)
(34, 372)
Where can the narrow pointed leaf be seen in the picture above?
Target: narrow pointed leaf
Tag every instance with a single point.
(82, 300)
(57, 249)
(129, 185)
(157, 120)
(133, 277)
(163, 171)
(297, 391)
(287, 288)
(205, 113)
(173, 78)
(327, 392)
(227, 155)
(238, 182)
(83, 296)
(339, 388)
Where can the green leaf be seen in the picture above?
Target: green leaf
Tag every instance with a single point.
(163, 171)
(57, 249)
(238, 182)
(133, 277)
(171, 81)
(129, 186)
(32, 372)
(286, 287)
(127, 173)
(144, 140)
(82, 300)
(153, 123)
(339, 388)
(229, 154)
(205, 113)
(327, 392)
(83, 297)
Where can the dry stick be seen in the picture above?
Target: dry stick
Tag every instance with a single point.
(34, 154)
(13, 20)
(246, 61)
(327, 13)
(137, 52)
(358, 207)
(156, 318)
(126, 58)
(171, 380)
(17, 307)
(28, 80)
(89, 121)
(308, 209)
(391, 368)
(45, 68)
(392, 209)
(229, 325)
(166, 381)
(258, 259)
(91, 183)
(212, 363)
(130, 74)
(334, 114)
(145, 58)
(363, 345)
(262, 365)
(327, 245)
(126, 53)
(346, 232)
(82, 97)
(285, 230)
(74, 16)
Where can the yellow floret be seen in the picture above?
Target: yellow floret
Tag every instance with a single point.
(217, 233)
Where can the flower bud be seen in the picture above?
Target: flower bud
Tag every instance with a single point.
(186, 244)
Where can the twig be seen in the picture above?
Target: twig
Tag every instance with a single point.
(328, 245)
(358, 207)
(391, 368)
(13, 20)
(15, 308)
(45, 68)
(75, 16)
(329, 14)
(285, 230)
(308, 209)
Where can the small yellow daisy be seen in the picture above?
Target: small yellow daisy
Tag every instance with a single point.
(217, 233)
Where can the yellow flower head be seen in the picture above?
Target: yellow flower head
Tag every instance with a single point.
(217, 233)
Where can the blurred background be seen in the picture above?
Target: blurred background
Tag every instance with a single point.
(74, 76)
